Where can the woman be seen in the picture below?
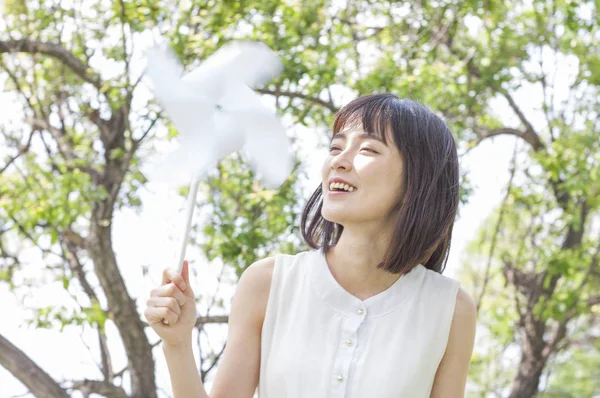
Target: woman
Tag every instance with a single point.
(365, 312)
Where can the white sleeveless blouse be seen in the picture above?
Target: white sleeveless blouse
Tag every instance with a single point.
(319, 341)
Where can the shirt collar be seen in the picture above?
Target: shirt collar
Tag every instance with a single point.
(327, 287)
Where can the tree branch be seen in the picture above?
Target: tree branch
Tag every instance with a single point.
(571, 312)
(587, 341)
(202, 320)
(17, 84)
(593, 301)
(73, 238)
(41, 122)
(99, 387)
(137, 142)
(28, 235)
(28, 372)
(214, 363)
(530, 136)
(63, 145)
(53, 50)
(308, 98)
(123, 308)
(77, 268)
(22, 150)
(513, 169)
(484, 133)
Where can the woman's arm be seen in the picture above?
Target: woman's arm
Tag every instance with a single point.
(238, 371)
(185, 380)
(451, 377)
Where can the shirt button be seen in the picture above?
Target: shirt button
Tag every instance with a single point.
(360, 311)
(348, 342)
(340, 378)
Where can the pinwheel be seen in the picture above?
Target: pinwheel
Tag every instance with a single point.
(216, 112)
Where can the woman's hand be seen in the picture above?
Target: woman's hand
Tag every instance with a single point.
(173, 301)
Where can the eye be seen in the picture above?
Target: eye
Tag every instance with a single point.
(334, 148)
(369, 149)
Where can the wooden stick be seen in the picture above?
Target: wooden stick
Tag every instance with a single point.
(190, 206)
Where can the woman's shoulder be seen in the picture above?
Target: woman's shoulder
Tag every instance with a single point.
(442, 291)
(259, 274)
(252, 292)
(438, 280)
(255, 284)
(464, 305)
(466, 308)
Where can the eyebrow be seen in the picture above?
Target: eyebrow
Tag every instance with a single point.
(361, 135)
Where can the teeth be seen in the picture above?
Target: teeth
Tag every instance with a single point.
(339, 185)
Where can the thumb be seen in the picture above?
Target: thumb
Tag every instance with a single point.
(185, 272)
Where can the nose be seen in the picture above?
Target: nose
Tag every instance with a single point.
(342, 161)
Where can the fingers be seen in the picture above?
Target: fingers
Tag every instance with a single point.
(170, 275)
(155, 315)
(168, 302)
(169, 290)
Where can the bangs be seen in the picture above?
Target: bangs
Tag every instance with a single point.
(371, 115)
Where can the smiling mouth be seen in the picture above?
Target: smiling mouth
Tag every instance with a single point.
(340, 187)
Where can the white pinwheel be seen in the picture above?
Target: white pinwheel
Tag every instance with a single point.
(216, 113)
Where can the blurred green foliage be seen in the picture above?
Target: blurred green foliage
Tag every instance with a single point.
(471, 61)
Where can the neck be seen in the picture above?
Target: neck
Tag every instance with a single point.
(354, 259)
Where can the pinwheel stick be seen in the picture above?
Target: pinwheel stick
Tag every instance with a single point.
(189, 210)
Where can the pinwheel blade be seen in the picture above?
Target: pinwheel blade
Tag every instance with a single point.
(193, 158)
(267, 146)
(184, 105)
(250, 63)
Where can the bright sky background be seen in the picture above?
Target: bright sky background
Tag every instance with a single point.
(149, 238)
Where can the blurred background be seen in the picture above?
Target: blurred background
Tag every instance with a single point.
(85, 232)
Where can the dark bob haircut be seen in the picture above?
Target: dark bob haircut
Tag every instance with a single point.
(429, 204)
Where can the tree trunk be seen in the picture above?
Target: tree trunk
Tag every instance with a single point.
(126, 317)
(535, 351)
(531, 365)
(35, 378)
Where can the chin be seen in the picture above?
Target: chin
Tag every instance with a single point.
(338, 216)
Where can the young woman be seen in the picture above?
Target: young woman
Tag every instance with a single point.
(366, 312)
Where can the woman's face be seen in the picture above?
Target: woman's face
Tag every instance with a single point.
(372, 169)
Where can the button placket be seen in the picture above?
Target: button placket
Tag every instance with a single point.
(345, 354)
